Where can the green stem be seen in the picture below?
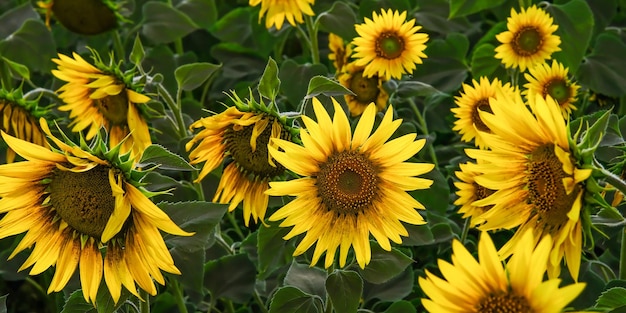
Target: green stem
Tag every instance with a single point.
(465, 231)
(622, 256)
(117, 46)
(311, 28)
(259, 301)
(236, 227)
(38, 92)
(229, 306)
(178, 114)
(178, 294)
(424, 128)
(179, 124)
(144, 306)
(611, 178)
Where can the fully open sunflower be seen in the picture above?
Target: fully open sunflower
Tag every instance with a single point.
(537, 184)
(388, 45)
(472, 100)
(339, 52)
(354, 185)
(241, 135)
(485, 286)
(529, 39)
(102, 96)
(85, 17)
(276, 11)
(366, 89)
(80, 207)
(468, 193)
(19, 119)
(546, 80)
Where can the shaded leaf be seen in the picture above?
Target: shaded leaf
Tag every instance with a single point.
(231, 277)
(604, 70)
(384, 265)
(163, 24)
(292, 300)
(32, 45)
(344, 289)
(138, 53)
(392, 290)
(273, 250)
(193, 216)
(158, 155)
(308, 279)
(466, 7)
(202, 12)
(14, 18)
(325, 86)
(192, 76)
(612, 299)
(269, 85)
(295, 77)
(401, 306)
(339, 20)
(575, 21)
(19, 69)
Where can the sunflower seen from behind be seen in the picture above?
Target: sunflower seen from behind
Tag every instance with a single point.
(553, 81)
(528, 40)
(85, 17)
(82, 209)
(277, 11)
(538, 184)
(366, 89)
(388, 45)
(469, 285)
(20, 119)
(351, 185)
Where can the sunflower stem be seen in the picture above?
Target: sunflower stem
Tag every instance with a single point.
(38, 92)
(465, 231)
(173, 106)
(611, 178)
(259, 301)
(144, 306)
(622, 256)
(236, 227)
(424, 128)
(118, 46)
(178, 294)
(311, 28)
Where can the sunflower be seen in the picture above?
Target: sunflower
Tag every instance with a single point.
(242, 137)
(19, 119)
(80, 207)
(468, 192)
(388, 45)
(473, 100)
(529, 39)
(102, 96)
(553, 81)
(354, 184)
(277, 10)
(485, 285)
(339, 52)
(537, 184)
(85, 17)
(366, 89)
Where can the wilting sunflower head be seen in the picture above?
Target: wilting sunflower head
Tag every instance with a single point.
(388, 45)
(546, 80)
(101, 95)
(339, 52)
(83, 207)
(538, 183)
(352, 184)
(474, 99)
(529, 39)
(85, 17)
(469, 194)
(276, 11)
(486, 286)
(20, 119)
(366, 89)
(240, 136)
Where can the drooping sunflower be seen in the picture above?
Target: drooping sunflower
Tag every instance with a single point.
(473, 100)
(469, 191)
(545, 80)
(103, 96)
(339, 52)
(353, 185)
(529, 39)
(276, 11)
(85, 17)
(537, 183)
(485, 285)
(80, 207)
(20, 119)
(388, 45)
(240, 135)
(366, 89)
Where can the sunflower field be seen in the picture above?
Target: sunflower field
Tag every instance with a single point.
(312, 156)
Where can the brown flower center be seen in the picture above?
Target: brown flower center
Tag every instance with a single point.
(527, 41)
(114, 108)
(86, 17)
(504, 302)
(558, 89)
(366, 89)
(84, 200)
(481, 193)
(389, 45)
(546, 191)
(481, 105)
(348, 183)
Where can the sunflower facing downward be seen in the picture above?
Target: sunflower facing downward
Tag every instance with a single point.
(388, 45)
(473, 100)
(19, 119)
(102, 96)
(79, 208)
(366, 89)
(529, 39)
(537, 184)
(276, 11)
(240, 135)
(545, 80)
(484, 285)
(354, 185)
(85, 17)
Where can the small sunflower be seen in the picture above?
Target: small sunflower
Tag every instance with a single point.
(80, 207)
(468, 192)
(485, 285)
(85, 17)
(388, 45)
(366, 89)
(240, 135)
(473, 100)
(354, 185)
(102, 96)
(537, 184)
(339, 52)
(529, 39)
(545, 80)
(19, 119)
(276, 11)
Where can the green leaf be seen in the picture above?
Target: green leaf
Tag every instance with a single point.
(14, 18)
(294, 78)
(163, 24)
(384, 265)
(164, 159)
(202, 12)
(340, 20)
(138, 53)
(326, 86)
(76, 304)
(393, 290)
(292, 300)
(32, 45)
(273, 250)
(445, 67)
(434, 198)
(596, 131)
(192, 76)
(401, 306)
(344, 289)
(308, 279)
(466, 7)
(18, 68)
(194, 216)
(240, 27)
(612, 298)
(231, 277)
(269, 85)
(484, 63)
(411, 88)
(3, 304)
(604, 70)
(575, 21)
